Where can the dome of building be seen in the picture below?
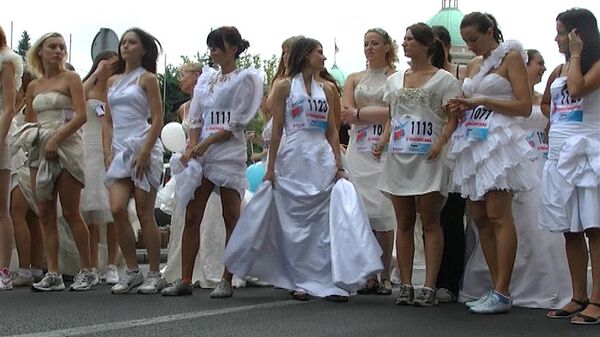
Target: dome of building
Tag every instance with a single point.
(450, 17)
(339, 76)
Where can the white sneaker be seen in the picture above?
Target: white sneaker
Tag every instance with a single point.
(5, 279)
(84, 280)
(223, 290)
(130, 280)
(495, 303)
(50, 282)
(22, 281)
(112, 274)
(153, 284)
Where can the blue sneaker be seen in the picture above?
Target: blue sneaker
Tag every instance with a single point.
(495, 303)
(480, 300)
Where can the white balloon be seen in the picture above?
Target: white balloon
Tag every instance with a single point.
(173, 137)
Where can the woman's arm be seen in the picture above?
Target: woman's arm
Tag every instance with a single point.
(30, 115)
(331, 133)
(281, 90)
(545, 105)
(9, 92)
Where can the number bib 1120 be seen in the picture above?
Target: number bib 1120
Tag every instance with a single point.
(474, 125)
(411, 136)
(568, 110)
(309, 113)
(215, 121)
(367, 136)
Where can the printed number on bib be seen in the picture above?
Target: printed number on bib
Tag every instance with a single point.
(411, 136)
(309, 113)
(367, 136)
(566, 109)
(474, 124)
(537, 140)
(215, 121)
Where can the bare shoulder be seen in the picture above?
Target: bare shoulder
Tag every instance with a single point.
(282, 84)
(71, 76)
(513, 56)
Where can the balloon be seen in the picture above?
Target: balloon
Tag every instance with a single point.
(254, 174)
(173, 137)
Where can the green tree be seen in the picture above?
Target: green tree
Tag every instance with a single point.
(24, 44)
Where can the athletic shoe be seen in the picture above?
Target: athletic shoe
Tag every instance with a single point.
(496, 303)
(425, 298)
(178, 288)
(153, 284)
(112, 274)
(223, 290)
(22, 281)
(6, 282)
(84, 280)
(50, 282)
(444, 295)
(130, 280)
(480, 300)
(406, 295)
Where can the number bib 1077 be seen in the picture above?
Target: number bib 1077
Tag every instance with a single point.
(367, 136)
(215, 121)
(411, 136)
(474, 124)
(309, 113)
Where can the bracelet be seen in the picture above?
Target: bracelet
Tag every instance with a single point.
(358, 114)
(575, 56)
(340, 169)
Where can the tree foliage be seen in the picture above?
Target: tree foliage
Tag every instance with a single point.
(24, 44)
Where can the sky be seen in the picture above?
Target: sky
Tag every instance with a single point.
(182, 25)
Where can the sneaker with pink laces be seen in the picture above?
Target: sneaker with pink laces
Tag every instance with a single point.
(5, 279)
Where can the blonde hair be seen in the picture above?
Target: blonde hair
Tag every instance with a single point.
(2, 38)
(33, 59)
(193, 67)
(391, 57)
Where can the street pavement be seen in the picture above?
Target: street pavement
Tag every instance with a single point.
(256, 312)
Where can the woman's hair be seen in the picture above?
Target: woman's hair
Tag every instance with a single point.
(531, 54)
(25, 80)
(193, 67)
(287, 44)
(152, 48)
(298, 52)
(442, 34)
(483, 22)
(34, 60)
(2, 38)
(105, 55)
(329, 78)
(586, 26)
(391, 57)
(423, 34)
(230, 34)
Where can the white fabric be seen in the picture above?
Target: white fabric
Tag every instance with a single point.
(414, 174)
(130, 109)
(94, 196)
(8, 56)
(224, 163)
(500, 162)
(540, 277)
(286, 234)
(571, 180)
(365, 169)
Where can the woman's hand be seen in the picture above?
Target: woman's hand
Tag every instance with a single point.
(347, 114)
(193, 152)
(377, 150)
(140, 163)
(575, 43)
(269, 176)
(435, 149)
(51, 149)
(341, 174)
(256, 157)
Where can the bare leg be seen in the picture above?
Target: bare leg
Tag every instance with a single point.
(404, 208)
(231, 202)
(18, 210)
(37, 240)
(487, 238)
(111, 243)
(6, 226)
(432, 235)
(94, 241)
(144, 205)
(594, 239)
(120, 193)
(386, 241)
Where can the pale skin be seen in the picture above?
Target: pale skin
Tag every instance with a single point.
(95, 88)
(578, 85)
(493, 214)
(7, 83)
(375, 50)
(52, 54)
(121, 191)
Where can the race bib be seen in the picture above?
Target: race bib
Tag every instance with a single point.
(537, 140)
(99, 110)
(411, 136)
(474, 124)
(309, 113)
(367, 136)
(215, 121)
(566, 109)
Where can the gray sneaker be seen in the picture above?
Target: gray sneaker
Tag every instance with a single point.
(130, 280)
(480, 300)
(84, 280)
(495, 303)
(425, 298)
(153, 284)
(22, 281)
(223, 290)
(178, 288)
(50, 282)
(444, 295)
(406, 295)
(112, 274)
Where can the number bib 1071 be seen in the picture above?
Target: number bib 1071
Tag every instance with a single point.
(411, 136)
(367, 136)
(474, 124)
(215, 121)
(309, 113)
(537, 140)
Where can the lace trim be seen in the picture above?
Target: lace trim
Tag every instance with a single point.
(497, 55)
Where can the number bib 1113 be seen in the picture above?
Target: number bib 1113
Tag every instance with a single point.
(474, 124)
(367, 136)
(215, 121)
(309, 113)
(411, 136)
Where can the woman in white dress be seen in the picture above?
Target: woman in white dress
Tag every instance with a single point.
(489, 151)
(94, 196)
(365, 110)
(571, 179)
(301, 231)
(540, 276)
(134, 154)
(55, 111)
(11, 70)
(223, 104)
(414, 176)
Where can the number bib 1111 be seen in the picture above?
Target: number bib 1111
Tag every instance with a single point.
(309, 113)
(367, 136)
(475, 124)
(411, 136)
(215, 121)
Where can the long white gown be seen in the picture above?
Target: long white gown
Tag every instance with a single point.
(305, 233)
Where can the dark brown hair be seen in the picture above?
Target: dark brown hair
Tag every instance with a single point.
(424, 35)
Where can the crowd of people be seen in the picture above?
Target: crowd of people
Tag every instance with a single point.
(493, 170)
